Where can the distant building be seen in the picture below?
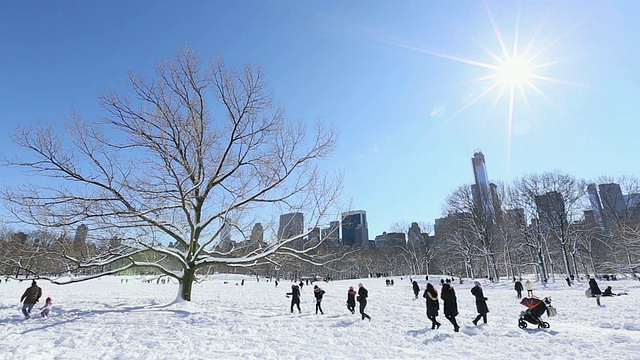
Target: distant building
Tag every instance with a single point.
(390, 239)
(613, 205)
(81, 235)
(483, 192)
(331, 235)
(257, 234)
(596, 205)
(314, 235)
(354, 228)
(291, 225)
(416, 236)
(551, 211)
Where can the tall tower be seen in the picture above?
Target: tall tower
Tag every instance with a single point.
(481, 190)
(613, 203)
(596, 205)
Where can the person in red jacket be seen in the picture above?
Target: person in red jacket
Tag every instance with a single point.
(30, 297)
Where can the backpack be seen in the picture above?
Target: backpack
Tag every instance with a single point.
(551, 311)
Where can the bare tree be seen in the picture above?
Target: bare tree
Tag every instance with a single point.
(557, 199)
(192, 153)
(477, 225)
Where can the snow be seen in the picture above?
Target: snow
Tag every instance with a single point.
(110, 318)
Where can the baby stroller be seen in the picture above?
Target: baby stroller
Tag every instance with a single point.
(536, 307)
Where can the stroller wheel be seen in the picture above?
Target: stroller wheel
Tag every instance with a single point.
(522, 324)
(545, 325)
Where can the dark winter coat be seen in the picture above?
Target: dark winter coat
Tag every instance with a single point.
(593, 285)
(433, 305)
(362, 294)
(518, 286)
(32, 294)
(450, 302)
(295, 294)
(481, 301)
(318, 292)
(607, 291)
(416, 288)
(351, 298)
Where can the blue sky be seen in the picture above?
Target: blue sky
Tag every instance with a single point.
(372, 69)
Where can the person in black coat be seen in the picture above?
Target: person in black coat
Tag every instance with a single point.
(431, 294)
(295, 297)
(351, 300)
(363, 294)
(595, 290)
(518, 286)
(450, 301)
(481, 303)
(318, 293)
(416, 289)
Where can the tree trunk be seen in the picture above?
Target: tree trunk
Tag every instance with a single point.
(186, 283)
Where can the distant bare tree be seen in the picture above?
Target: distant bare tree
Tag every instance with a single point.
(476, 232)
(558, 200)
(189, 153)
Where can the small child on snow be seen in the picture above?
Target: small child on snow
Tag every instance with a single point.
(46, 308)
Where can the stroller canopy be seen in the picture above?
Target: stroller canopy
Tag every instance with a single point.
(531, 302)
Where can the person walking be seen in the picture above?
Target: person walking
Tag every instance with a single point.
(481, 303)
(416, 289)
(318, 293)
(431, 294)
(351, 300)
(30, 297)
(529, 286)
(363, 294)
(595, 290)
(450, 304)
(295, 297)
(519, 288)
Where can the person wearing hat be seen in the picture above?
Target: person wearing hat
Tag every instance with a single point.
(30, 297)
(351, 300)
(481, 303)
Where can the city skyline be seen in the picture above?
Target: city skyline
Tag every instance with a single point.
(404, 91)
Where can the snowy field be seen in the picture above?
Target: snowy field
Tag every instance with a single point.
(112, 318)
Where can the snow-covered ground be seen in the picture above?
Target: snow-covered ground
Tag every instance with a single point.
(112, 318)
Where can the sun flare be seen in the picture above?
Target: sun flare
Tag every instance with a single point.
(515, 72)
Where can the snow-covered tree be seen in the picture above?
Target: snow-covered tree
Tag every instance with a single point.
(194, 155)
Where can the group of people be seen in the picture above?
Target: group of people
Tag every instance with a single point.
(352, 296)
(29, 299)
(527, 285)
(450, 304)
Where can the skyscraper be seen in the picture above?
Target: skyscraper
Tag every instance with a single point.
(81, 235)
(613, 203)
(551, 211)
(482, 193)
(354, 228)
(291, 225)
(596, 205)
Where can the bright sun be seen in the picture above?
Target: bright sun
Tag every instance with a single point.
(514, 73)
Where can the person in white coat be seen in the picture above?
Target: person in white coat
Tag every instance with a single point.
(529, 286)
